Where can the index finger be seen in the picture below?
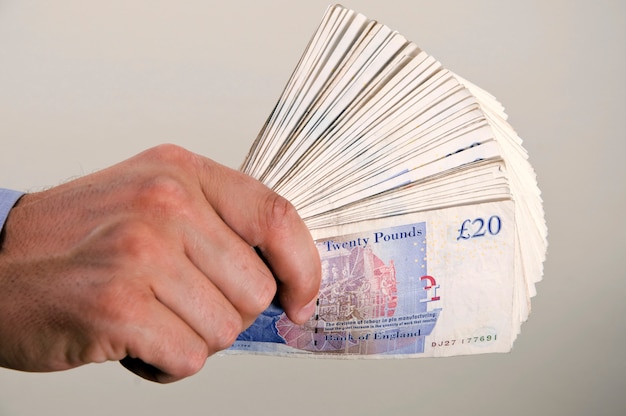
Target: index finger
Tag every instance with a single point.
(269, 222)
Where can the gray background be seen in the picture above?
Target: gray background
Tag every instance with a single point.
(86, 84)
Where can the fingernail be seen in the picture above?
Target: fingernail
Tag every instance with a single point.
(307, 311)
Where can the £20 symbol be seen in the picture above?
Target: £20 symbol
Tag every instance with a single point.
(479, 227)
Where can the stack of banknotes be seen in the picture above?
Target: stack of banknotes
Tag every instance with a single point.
(424, 207)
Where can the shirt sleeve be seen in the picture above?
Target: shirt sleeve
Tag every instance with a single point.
(8, 198)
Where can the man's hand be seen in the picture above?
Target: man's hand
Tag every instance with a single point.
(151, 262)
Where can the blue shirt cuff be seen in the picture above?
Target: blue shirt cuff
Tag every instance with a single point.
(8, 198)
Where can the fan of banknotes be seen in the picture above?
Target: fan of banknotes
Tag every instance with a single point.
(425, 210)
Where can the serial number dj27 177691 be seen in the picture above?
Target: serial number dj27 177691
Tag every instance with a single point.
(468, 340)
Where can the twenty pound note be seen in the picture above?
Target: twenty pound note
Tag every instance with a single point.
(434, 283)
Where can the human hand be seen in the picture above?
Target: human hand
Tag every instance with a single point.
(150, 262)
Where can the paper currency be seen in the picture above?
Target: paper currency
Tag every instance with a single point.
(419, 194)
(431, 284)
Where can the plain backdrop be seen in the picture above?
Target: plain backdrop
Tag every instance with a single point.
(85, 84)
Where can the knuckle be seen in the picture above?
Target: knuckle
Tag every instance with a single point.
(262, 296)
(170, 154)
(193, 363)
(163, 195)
(266, 293)
(120, 301)
(280, 214)
(227, 331)
(133, 241)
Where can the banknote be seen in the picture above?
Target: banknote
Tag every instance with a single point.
(434, 283)
(419, 194)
